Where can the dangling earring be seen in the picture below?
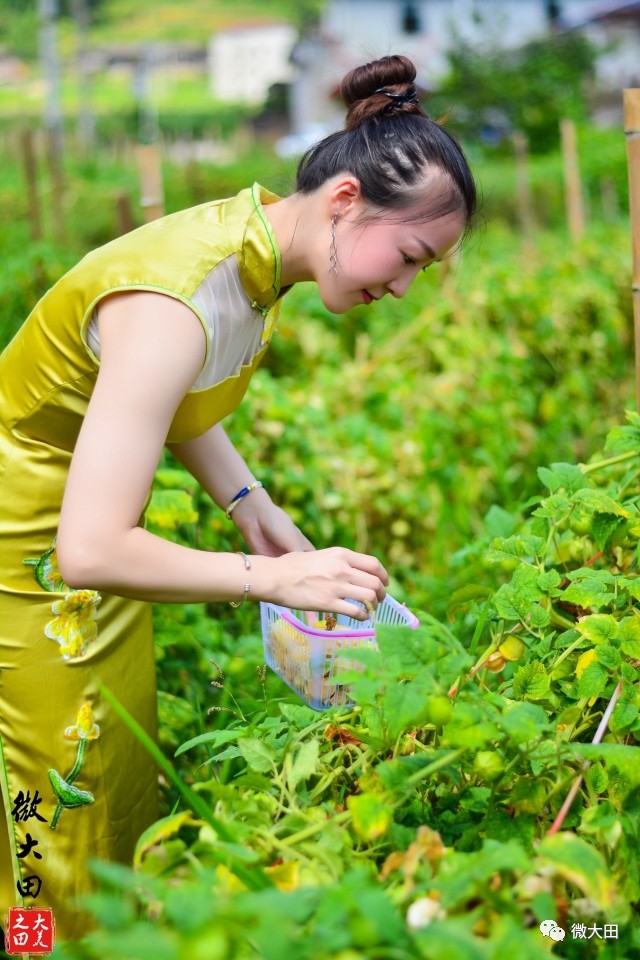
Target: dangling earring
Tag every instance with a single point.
(333, 250)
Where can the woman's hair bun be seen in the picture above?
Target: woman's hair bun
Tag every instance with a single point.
(384, 86)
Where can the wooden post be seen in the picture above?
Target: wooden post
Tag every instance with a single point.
(632, 135)
(123, 213)
(524, 200)
(573, 192)
(150, 170)
(31, 175)
(54, 158)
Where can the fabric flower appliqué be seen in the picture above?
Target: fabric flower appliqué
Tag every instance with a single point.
(68, 795)
(46, 571)
(85, 728)
(74, 625)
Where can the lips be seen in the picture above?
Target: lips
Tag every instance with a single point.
(366, 296)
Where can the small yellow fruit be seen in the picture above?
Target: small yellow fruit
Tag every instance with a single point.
(512, 648)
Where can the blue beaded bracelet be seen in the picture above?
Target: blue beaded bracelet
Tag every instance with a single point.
(241, 495)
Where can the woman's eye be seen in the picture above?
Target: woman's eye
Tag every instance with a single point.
(408, 259)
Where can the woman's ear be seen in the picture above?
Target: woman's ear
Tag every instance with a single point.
(345, 195)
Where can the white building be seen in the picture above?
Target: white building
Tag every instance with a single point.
(355, 31)
(244, 61)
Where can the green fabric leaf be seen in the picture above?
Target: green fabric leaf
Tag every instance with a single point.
(67, 793)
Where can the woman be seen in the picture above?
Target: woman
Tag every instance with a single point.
(152, 339)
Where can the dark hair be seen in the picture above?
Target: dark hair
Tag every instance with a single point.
(387, 142)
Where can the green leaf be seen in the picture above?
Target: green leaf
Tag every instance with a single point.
(630, 637)
(590, 592)
(632, 586)
(530, 682)
(625, 439)
(597, 778)
(258, 754)
(593, 681)
(578, 863)
(624, 714)
(169, 509)
(603, 526)
(517, 599)
(524, 721)
(599, 628)
(305, 763)
(161, 830)
(548, 581)
(607, 655)
(499, 523)
(599, 502)
(563, 476)
(215, 737)
(299, 715)
(518, 546)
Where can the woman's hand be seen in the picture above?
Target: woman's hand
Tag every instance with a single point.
(327, 579)
(267, 529)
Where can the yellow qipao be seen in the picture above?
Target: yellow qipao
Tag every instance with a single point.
(88, 789)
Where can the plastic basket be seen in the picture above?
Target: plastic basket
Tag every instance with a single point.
(309, 659)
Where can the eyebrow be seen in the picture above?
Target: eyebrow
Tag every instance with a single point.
(426, 248)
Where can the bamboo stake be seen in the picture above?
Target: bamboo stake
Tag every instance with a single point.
(151, 192)
(523, 185)
(31, 175)
(632, 135)
(573, 192)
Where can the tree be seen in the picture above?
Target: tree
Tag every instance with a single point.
(529, 88)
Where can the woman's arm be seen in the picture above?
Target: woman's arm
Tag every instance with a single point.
(152, 349)
(214, 461)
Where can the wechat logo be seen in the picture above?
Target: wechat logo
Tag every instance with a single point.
(549, 928)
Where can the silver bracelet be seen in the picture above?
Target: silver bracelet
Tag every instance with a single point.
(247, 586)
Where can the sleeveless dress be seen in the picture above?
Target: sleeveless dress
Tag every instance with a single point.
(75, 782)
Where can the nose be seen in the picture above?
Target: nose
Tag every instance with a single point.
(398, 287)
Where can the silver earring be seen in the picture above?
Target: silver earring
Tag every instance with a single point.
(333, 250)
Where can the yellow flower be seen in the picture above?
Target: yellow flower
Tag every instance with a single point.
(85, 727)
(74, 625)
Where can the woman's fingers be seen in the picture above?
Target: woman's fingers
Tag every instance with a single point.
(328, 579)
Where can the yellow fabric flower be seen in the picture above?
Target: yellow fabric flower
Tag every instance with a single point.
(85, 727)
(74, 625)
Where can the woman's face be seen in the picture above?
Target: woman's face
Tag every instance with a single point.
(383, 255)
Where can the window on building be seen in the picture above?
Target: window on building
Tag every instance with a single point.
(410, 19)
